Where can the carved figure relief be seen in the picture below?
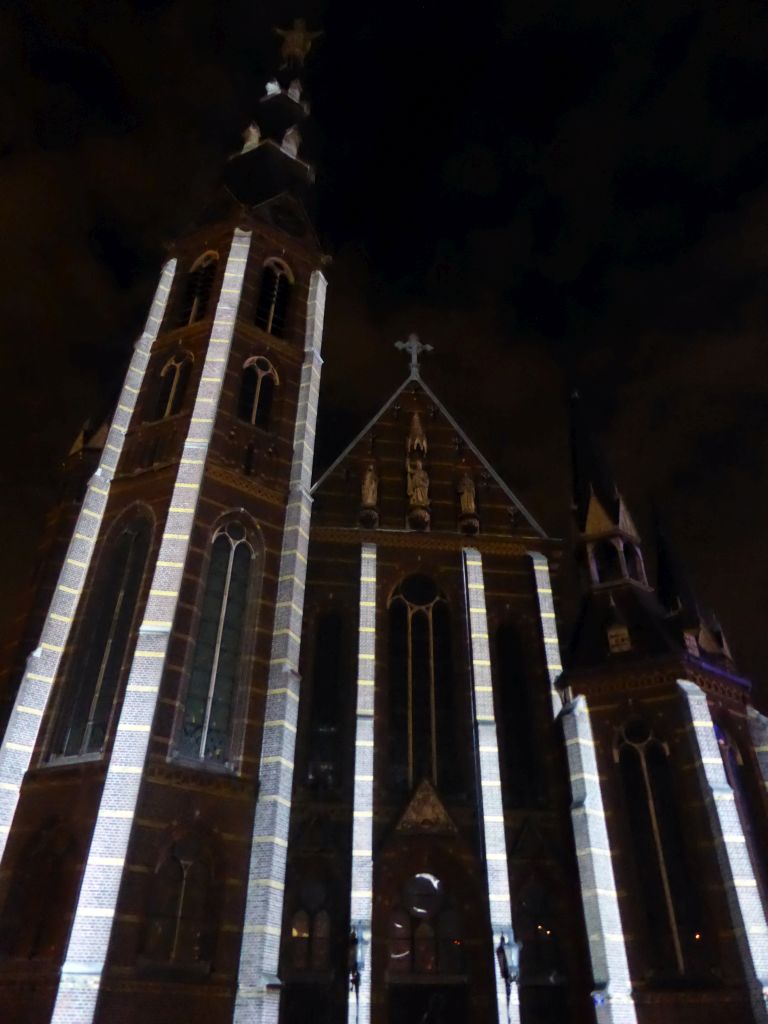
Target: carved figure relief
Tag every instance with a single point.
(369, 497)
(465, 489)
(418, 484)
(370, 488)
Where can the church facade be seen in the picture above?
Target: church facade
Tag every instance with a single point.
(286, 749)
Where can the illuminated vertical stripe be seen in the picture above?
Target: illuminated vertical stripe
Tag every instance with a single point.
(738, 877)
(43, 664)
(258, 992)
(491, 809)
(758, 731)
(548, 626)
(97, 901)
(612, 994)
(361, 899)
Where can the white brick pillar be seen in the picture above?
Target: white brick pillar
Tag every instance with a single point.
(361, 898)
(95, 911)
(758, 731)
(43, 664)
(491, 809)
(258, 992)
(548, 627)
(741, 889)
(607, 948)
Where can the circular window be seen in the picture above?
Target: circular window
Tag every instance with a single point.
(423, 895)
(636, 731)
(236, 531)
(418, 590)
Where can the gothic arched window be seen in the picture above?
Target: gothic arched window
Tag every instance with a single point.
(328, 684)
(180, 913)
(633, 562)
(274, 295)
(519, 754)
(672, 907)
(104, 641)
(425, 937)
(33, 909)
(220, 648)
(607, 564)
(257, 391)
(421, 693)
(197, 289)
(310, 948)
(174, 378)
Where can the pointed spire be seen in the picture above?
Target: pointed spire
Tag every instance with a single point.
(592, 479)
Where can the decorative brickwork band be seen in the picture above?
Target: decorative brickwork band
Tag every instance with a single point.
(258, 994)
(43, 664)
(548, 626)
(607, 949)
(744, 903)
(505, 953)
(361, 898)
(97, 902)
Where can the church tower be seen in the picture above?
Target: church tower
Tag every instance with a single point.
(670, 808)
(145, 775)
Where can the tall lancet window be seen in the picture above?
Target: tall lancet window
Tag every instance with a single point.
(198, 287)
(221, 649)
(515, 717)
(274, 295)
(675, 932)
(104, 643)
(421, 690)
(257, 391)
(328, 687)
(174, 378)
(180, 918)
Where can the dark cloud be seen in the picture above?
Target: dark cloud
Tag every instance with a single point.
(551, 193)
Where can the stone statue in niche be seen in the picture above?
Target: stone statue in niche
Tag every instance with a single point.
(418, 484)
(370, 488)
(465, 489)
(418, 494)
(369, 497)
(466, 492)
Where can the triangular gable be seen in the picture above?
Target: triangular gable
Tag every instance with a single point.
(426, 813)
(415, 379)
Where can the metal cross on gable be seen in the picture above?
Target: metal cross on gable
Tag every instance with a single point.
(414, 348)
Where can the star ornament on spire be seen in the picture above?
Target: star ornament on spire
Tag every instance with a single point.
(414, 348)
(297, 42)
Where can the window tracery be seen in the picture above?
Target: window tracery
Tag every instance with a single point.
(675, 931)
(274, 296)
(179, 928)
(425, 934)
(174, 378)
(206, 731)
(198, 288)
(94, 674)
(421, 702)
(257, 391)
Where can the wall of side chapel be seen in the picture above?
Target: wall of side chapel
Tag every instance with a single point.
(718, 992)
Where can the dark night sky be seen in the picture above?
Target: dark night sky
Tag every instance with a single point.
(549, 193)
